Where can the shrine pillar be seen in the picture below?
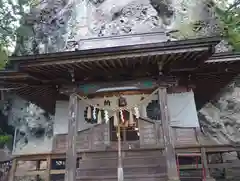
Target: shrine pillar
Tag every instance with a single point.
(206, 174)
(205, 166)
(71, 154)
(169, 150)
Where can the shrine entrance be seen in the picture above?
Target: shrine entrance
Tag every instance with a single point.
(128, 132)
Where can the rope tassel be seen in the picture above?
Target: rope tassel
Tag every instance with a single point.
(131, 120)
(94, 113)
(121, 115)
(99, 117)
(106, 116)
(136, 110)
(89, 112)
(115, 119)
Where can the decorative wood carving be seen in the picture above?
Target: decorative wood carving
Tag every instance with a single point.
(153, 110)
(107, 103)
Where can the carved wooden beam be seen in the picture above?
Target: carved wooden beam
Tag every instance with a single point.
(141, 84)
(71, 155)
(172, 172)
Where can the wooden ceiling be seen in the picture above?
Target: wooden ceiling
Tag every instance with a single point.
(214, 75)
(39, 77)
(125, 62)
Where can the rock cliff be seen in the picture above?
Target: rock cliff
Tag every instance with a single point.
(59, 25)
(33, 126)
(220, 118)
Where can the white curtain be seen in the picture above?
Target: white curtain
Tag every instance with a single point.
(182, 110)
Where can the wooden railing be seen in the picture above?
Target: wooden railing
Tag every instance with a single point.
(98, 138)
(95, 138)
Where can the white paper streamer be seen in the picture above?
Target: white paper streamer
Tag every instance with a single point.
(106, 116)
(136, 110)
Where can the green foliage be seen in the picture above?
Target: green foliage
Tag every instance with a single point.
(11, 13)
(229, 16)
(5, 139)
(3, 56)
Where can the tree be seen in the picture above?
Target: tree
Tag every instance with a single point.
(11, 13)
(229, 16)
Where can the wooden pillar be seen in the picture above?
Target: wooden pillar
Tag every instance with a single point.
(172, 172)
(13, 170)
(203, 157)
(48, 174)
(71, 155)
(205, 165)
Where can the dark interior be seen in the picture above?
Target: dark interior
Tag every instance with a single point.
(127, 133)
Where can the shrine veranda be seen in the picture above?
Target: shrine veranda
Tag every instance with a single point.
(122, 101)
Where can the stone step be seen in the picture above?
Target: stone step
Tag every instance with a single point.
(112, 162)
(139, 177)
(136, 170)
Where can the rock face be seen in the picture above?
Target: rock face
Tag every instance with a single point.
(59, 25)
(32, 124)
(220, 120)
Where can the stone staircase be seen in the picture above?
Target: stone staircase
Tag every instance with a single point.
(138, 165)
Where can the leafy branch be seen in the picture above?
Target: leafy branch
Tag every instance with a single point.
(230, 23)
(11, 14)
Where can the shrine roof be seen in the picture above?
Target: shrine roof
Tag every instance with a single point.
(38, 77)
(117, 62)
(165, 47)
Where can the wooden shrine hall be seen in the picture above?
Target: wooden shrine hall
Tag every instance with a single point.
(121, 101)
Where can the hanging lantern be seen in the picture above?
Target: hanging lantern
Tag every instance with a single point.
(122, 102)
(106, 116)
(136, 110)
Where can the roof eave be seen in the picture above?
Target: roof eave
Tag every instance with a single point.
(170, 45)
